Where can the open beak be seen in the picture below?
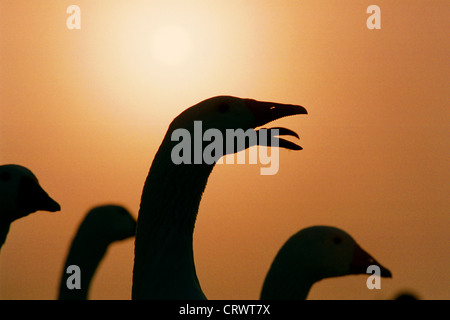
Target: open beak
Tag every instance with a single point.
(266, 112)
(362, 260)
(282, 143)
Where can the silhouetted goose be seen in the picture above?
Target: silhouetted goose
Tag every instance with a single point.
(164, 264)
(406, 295)
(102, 226)
(20, 195)
(313, 254)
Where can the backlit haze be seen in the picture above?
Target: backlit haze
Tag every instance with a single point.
(86, 109)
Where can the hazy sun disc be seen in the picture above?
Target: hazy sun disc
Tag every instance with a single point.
(171, 45)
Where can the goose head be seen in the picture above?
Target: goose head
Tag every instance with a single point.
(101, 226)
(223, 113)
(313, 254)
(110, 222)
(332, 252)
(164, 265)
(21, 194)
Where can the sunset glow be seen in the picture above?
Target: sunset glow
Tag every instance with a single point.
(171, 45)
(86, 109)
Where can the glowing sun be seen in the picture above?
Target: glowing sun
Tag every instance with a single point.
(171, 45)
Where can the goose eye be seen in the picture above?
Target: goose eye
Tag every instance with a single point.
(5, 176)
(223, 107)
(337, 240)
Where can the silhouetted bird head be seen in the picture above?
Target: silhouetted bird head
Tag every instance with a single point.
(21, 194)
(225, 114)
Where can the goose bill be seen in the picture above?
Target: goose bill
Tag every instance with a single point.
(362, 260)
(280, 142)
(265, 112)
(33, 198)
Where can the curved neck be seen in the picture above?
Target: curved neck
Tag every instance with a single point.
(86, 252)
(4, 229)
(285, 282)
(164, 261)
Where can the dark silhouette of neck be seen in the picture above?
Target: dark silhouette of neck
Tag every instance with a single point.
(164, 261)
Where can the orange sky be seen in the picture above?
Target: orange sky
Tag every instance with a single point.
(86, 109)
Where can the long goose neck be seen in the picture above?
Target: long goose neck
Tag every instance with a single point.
(4, 229)
(164, 260)
(286, 281)
(5, 224)
(86, 252)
